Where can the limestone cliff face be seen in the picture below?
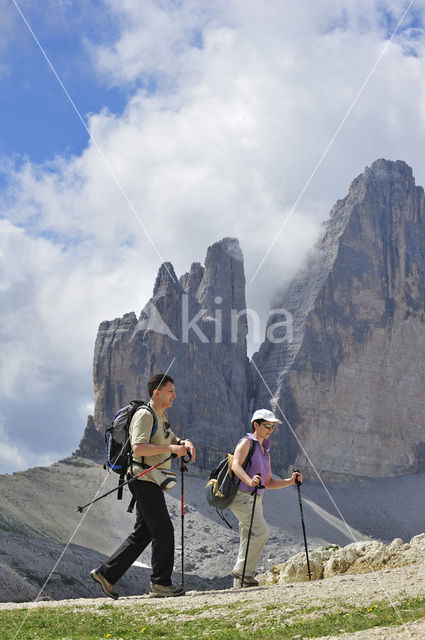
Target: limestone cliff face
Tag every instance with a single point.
(348, 372)
(351, 381)
(92, 443)
(190, 329)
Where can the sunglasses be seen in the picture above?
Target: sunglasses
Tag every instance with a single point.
(167, 429)
(267, 426)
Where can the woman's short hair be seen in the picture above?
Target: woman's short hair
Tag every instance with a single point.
(256, 422)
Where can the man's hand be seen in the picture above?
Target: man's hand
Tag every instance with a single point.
(178, 449)
(190, 447)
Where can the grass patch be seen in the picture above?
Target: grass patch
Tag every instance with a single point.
(332, 546)
(139, 622)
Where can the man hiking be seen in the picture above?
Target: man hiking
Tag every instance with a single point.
(153, 523)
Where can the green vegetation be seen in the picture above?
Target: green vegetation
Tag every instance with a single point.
(331, 546)
(214, 622)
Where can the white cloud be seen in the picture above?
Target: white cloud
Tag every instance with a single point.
(18, 457)
(232, 104)
(53, 297)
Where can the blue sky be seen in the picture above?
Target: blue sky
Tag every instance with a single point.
(209, 119)
(38, 119)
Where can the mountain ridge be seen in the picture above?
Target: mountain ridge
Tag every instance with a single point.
(348, 377)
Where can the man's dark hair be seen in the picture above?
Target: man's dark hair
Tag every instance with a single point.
(157, 381)
(258, 422)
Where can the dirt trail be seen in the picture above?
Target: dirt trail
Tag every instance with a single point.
(392, 585)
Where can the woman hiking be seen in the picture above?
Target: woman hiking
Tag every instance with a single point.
(257, 474)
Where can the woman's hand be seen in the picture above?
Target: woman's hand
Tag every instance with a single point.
(255, 481)
(296, 476)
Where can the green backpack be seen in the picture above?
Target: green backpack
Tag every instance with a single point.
(220, 488)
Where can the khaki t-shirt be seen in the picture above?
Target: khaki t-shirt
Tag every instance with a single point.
(140, 431)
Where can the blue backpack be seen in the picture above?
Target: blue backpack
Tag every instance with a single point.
(117, 438)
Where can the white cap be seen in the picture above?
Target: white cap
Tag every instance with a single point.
(265, 414)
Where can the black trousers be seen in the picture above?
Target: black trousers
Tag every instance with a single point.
(153, 524)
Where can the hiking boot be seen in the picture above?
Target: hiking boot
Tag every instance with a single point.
(107, 588)
(160, 591)
(249, 581)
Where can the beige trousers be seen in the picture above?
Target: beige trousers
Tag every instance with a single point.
(241, 506)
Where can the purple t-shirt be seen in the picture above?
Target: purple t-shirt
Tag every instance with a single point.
(260, 463)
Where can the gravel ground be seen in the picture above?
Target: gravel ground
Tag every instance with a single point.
(392, 585)
(39, 504)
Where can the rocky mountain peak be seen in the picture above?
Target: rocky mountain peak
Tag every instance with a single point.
(358, 310)
(165, 280)
(382, 170)
(348, 375)
(186, 328)
(223, 269)
(190, 281)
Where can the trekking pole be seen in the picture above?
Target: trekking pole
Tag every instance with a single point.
(254, 493)
(80, 509)
(183, 461)
(298, 483)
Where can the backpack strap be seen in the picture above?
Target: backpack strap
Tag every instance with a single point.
(245, 465)
(121, 481)
(131, 505)
(248, 459)
(222, 516)
(247, 462)
(145, 466)
(153, 431)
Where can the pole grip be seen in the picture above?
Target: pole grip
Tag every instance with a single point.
(258, 486)
(297, 481)
(187, 456)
